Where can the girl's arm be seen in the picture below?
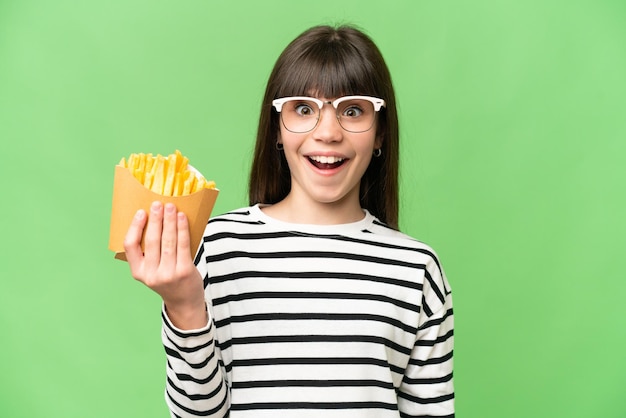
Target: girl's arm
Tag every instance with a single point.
(195, 383)
(427, 388)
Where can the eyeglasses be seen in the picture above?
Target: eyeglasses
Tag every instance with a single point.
(302, 114)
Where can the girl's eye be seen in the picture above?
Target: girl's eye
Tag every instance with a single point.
(304, 109)
(352, 112)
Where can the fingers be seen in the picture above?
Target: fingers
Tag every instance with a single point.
(184, 246)
(152, 235)
(132, 241)
(169, 238)
(166, 255)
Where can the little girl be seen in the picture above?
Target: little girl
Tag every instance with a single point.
(309, 302)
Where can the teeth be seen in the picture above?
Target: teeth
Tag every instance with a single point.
(326, 160)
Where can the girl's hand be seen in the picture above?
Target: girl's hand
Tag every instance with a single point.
(167, 265)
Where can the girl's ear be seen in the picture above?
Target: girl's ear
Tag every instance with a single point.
(279, 141)
(378, 142)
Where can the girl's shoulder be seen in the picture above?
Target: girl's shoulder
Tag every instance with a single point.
(386, 236)
(244, 214)
(234, 221)
(386, 233)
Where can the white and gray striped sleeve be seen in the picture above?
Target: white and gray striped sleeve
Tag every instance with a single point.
(195, 383)
(427, 389)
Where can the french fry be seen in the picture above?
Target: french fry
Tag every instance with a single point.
(181, 162)
(168, 187)
(190, 183)
(167, 176)
(141, 167)
(149, 162)
(179, 185)
(147, 181)
(200, 184)
(159, 175)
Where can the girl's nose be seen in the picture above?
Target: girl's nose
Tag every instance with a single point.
(328, 127)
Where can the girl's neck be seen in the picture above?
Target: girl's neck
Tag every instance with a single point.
(294, 210)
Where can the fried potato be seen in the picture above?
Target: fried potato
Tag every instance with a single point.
(167, 176)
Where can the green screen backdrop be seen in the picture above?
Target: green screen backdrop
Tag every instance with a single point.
(512, 167)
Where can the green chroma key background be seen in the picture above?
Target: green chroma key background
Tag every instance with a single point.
(513, 123)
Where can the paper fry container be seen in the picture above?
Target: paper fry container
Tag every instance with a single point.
(129, 195)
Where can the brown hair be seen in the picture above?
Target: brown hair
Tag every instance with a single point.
(332, 62)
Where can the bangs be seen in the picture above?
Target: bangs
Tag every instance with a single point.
(329, 70)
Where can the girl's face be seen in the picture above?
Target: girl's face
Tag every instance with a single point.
(327, 163)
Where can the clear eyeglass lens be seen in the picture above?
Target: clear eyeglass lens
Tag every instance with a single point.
(354, 115)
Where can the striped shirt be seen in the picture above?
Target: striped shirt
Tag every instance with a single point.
(351, 320)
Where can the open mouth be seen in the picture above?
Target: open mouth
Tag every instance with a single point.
(326, 163)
